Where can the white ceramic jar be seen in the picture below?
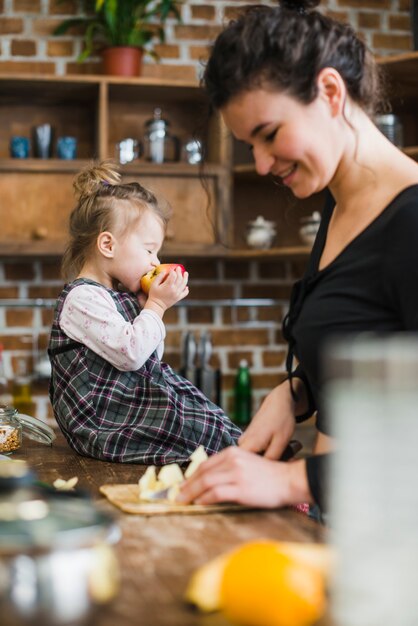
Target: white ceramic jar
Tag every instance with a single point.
(260, 233)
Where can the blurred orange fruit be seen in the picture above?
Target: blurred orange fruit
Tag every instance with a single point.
(262, 586)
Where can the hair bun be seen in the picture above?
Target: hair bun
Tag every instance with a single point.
(300, 6)
(93, 177)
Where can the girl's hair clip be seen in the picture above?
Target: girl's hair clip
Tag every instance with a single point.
(106, 184)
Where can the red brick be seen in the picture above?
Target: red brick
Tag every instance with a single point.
(200, 315)
(199, 269)
(265, 381)
(199, 53)
(44, 291)
(47, 317)
(27, 6)
(274, 358)
(235, 357)
(19, 317)
(11, 26)
(9, 292)
(45, 26)
(60, 48)
(271, 269)
(339, 16)
(173, 359)
(266, 291)
(174, 72)
(202, 12)
(194, 31)
(232, 315)
(85, 68)
(171, 316)
(297, 269)
(57, 7)
(369, 20)
(211, 292)
(236, 269)
(270, 313)
(51, 270)
(43, 340)
(19, 271)
(392, 42)
(173, 339)
(399, 22)
(167, 51)
(238, 337)
(365, 4)
(26, 67)
(231, 13)
(23, 47)
(13, 342)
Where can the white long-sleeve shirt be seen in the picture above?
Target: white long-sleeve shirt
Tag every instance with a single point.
(89, 315)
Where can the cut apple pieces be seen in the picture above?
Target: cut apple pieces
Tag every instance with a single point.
(169, 477)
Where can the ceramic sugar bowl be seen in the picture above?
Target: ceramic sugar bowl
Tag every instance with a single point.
(260, 233)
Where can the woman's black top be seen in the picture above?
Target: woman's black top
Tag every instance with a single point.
(372, 285)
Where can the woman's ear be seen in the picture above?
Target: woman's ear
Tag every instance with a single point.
(106, 244)
(332, 89)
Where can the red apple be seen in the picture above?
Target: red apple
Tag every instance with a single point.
(147, 279)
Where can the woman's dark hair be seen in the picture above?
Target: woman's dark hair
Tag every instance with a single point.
(285, 48)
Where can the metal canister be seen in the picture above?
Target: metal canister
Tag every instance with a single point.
(390, 125)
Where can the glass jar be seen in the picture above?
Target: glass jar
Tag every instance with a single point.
(10, 430)
(160, 145)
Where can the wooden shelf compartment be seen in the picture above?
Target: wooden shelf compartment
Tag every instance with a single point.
(71, 107)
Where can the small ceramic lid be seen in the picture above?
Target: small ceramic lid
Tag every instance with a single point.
(261, 223)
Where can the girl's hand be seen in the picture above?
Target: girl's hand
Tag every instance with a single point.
(272, 426)
(236, 475)
(166, 290)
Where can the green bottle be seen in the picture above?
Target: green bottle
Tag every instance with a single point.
(242, 393)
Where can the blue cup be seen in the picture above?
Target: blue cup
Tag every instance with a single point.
(19, 147)
(67, 148)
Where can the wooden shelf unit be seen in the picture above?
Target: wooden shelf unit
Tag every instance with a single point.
(101, 110)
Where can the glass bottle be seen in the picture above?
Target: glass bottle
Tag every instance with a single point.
(21, 389)
(243, 395)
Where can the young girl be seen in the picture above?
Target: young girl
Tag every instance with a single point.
(112, 396)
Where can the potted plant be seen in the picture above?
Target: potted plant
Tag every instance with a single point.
(121, 31)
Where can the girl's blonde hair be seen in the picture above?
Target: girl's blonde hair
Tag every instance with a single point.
(104, 203)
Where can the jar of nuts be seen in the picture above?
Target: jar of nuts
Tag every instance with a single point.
(10, 429)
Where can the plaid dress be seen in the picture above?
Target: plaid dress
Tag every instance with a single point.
(151, 415)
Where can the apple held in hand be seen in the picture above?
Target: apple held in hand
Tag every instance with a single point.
(147, 279)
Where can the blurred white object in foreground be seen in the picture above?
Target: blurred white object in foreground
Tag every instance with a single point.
(372, 400)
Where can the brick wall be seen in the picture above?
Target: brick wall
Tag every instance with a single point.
(26, 45)
(245, 332)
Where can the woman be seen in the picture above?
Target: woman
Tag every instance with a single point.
(299, 89)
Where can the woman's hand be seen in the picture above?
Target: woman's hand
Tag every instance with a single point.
(236, 475)
(166, 290)
(273, 425)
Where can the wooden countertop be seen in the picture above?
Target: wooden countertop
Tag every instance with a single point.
(158, 554)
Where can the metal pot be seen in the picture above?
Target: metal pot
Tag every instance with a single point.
(57, 564)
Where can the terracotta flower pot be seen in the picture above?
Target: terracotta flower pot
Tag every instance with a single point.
(122, 61)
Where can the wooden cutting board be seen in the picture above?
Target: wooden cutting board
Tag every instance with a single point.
(125, 497)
